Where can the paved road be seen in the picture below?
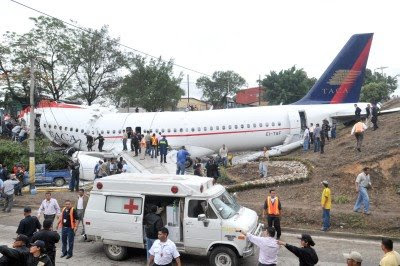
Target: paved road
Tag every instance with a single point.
(329, 249)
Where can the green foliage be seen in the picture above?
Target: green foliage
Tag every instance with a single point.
(287, 86)
(151, 85)
(220, 86)
(376, 77)
(224, 178)
(375, 92)
(341, 199)
(13, 152)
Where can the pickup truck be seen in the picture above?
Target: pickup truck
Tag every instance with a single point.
(45, 176)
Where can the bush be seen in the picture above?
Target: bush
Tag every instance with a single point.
(341, 199)
(224, 178)
(12, 153)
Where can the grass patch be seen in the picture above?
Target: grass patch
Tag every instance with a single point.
(341, 199)
(224, 178)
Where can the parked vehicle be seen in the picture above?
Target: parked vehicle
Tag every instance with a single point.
(44, 176)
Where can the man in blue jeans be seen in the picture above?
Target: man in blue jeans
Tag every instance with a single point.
(181, 157)
(68, 224)
(326, 202)
(363, 182)
(317, 138)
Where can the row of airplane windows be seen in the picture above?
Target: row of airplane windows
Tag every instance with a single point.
(211, 128)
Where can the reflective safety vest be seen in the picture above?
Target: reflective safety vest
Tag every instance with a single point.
(154, 141)
(359, 128)
(273, 208)
(71, 218)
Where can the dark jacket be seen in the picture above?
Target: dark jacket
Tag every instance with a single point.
(307, 256)
(163, 143)
(28, 226)
(23, 257)
(50, 238)
(152, 223)
(12, 260)
(212, 169)
(357, 112)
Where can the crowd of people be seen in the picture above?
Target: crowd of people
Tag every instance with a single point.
(14, 129)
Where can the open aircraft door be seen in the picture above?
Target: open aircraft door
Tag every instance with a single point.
(294, 122)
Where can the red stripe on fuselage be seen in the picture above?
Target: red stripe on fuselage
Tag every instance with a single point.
(360, 63)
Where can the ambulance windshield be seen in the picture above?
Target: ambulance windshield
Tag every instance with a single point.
(226, 205)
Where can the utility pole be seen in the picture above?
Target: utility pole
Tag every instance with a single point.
(32, 165)
(188, 89)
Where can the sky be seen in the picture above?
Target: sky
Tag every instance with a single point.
(250, 37)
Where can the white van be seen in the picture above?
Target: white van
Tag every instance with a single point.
(202, 217)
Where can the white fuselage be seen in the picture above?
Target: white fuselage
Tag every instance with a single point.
(202, 132)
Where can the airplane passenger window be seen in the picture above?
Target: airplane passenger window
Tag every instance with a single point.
(230, 127)
(76, 130)
(168, 130)
(211, 128)
(217, 127)
(199, 129)
(254, 125)
(113, 131)
(260, 125)
(266, 124)
(187, 130)
(119, 131)
(66, 128)
(273, 124)
(60, 127)
(102, 132)
(82, 131)
(71, 129)
(108, 131)
(181, 130)
(156, 130)
(55, 127)
(205, 128)
(162, 130)
(248, 125)
(236, 126)
(192, 129)
(279, 123)
(44, 125)
(174, 129)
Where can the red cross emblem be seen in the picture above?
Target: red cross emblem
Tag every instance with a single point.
(131, 206)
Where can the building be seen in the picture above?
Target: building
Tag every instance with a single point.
(197, 104)
(250, 97)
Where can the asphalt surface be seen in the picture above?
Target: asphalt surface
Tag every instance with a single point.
(329, 249)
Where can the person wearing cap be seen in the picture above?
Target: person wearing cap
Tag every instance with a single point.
(353, 258)
(49, 237)
(306, 254)
(29, 225)
(163, 143)
(11, 256)
(272, 211)
(37, 255)
(69, 227)
(326, 202)
(391, 257)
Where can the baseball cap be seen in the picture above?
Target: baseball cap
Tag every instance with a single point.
(325, 182)
(39, 243)
(22, 238)
(354, 255)
(307, 238)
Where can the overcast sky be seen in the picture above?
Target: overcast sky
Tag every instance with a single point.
(249, 37)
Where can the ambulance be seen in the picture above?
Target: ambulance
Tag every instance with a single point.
(201, 216)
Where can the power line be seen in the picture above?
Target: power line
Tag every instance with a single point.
(120, 44)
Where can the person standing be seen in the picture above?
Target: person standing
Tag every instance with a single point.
(391, 257)
(363, 182)
(353, 258)
(103, 169)
(263, 165)
(317, 138)
(49, 208)
(163, 250)
(374, 116)
(89, 141)
(198, 167)
(67, 223)
(181, 157)
(326, 128)
(49, 237)
(368, 112)
(97, 170)
(212, 169)
(223, 154)
(272, 211)
(124, 140)
(358, 132)
(269, 248)
(135, 143)
(311, 129)
(74, 183)
(148, 142)
(143, 147)
(34, 256)
(10, 256)
(357, 112)
(326, 202)
(152, 223)
(163, 143)
(153, 147)
(8, 192)
(80, 206)
(29, 225)
(322, 137)
(306, 254)
(333, 130)
(306, 139)
(101, 142)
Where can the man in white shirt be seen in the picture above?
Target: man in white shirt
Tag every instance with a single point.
(8, 191)
(363, 182)
(80, 208)
(163, 250)
(49, 208)
(223, 153)
(306, 139)
(268, 245)
(358, 131)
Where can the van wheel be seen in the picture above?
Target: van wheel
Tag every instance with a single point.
(59, 182)
(223, 256)
(115, 252)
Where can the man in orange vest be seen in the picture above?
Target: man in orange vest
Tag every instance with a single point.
(68, 224)
(358, 132)
(272, 211)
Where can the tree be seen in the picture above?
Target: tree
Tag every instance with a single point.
(221, 85)
(377, 87)
(287, 86)
(100, 60)
(151, 85)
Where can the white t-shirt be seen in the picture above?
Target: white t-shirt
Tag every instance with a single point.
(79, 205)
(163, 252)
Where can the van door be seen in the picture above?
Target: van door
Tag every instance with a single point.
(197, 235)
(123, 219)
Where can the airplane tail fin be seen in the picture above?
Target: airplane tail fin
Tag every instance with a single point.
(342, 80)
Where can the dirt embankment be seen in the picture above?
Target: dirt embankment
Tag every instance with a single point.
(340, 165)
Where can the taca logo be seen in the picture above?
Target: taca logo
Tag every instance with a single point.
(343, 76)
